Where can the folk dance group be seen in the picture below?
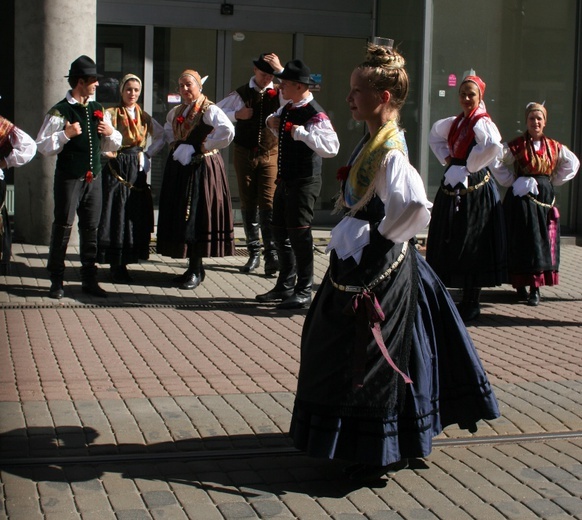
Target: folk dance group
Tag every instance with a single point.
(386, 359)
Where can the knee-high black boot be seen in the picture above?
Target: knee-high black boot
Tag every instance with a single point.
(287, 272)
(251, 227)
(469, 308)
(195, 273)
(88, 254)
(269, 251)
(302, 244)
(60, 236)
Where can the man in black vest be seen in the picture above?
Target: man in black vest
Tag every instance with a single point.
(305, 136)
(77, 129)
(255, 154)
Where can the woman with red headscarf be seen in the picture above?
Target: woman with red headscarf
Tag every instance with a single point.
(466, 237)
(532, 165)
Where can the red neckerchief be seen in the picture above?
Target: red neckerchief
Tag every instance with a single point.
(462, 134)
(532, 162)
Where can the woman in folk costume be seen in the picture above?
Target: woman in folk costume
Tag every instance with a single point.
(532, 165)
(127, 218)
(386, 361)
(16, 149)
(466, 243)
(195, 217)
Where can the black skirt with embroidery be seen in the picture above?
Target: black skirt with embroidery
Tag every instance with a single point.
(350, 404)
(466, 244)
(195, 211)
(533, 229)
(127, 218)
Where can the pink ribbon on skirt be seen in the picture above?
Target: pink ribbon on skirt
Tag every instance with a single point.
(366, 307)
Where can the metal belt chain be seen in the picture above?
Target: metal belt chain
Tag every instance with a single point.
(386, 274)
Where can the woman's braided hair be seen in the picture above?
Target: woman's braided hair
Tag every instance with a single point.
(384, 69)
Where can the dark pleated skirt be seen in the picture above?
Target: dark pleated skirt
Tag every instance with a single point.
(127, 218)
(466, 244)
(533, 231)
(5, 232)
(195, 211)
(385, 419)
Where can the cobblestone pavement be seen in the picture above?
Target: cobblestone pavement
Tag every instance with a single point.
(158, 403)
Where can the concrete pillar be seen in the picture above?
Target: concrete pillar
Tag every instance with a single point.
(49, 35)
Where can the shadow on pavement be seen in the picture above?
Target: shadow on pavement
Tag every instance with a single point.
(223, 464)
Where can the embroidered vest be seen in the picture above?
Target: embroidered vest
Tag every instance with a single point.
(253, 133)
(528, 161)
(296, 159)
(83, 152)
(197, 135)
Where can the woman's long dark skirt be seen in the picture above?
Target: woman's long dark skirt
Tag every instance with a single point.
(195, 211)
(466, 244)
(533, 229)
(127, 218)
(386, 420)
(5, 232)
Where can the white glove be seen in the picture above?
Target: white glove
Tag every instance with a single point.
(145, 163)
(524, 185)
(455, 175)
(183, 154)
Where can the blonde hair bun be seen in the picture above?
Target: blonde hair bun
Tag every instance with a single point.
(381, 56)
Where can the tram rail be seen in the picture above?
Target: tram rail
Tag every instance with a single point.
(231, 454)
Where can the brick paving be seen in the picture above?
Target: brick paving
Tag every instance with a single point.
(176, 405)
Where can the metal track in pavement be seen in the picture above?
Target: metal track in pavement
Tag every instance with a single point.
(263, 452)
(203, 304)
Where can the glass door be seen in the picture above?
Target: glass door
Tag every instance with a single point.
(227, 59)
(175, 50)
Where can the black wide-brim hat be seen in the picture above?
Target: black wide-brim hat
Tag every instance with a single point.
(262, 65)
(296, 70)
(83, 66)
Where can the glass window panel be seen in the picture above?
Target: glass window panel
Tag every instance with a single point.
(175, 50)
(120, 51)
(335, 59)
(251, 47)
(523, 51)
(402, 21)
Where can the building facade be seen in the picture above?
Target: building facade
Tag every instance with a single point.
(525, 50)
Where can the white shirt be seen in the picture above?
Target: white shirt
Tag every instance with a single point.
(23, 149)
(566, 167)
(487, 137)
(221, 135)
(233, 102)
(406, 208)
(319, 137)
(51, 137)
